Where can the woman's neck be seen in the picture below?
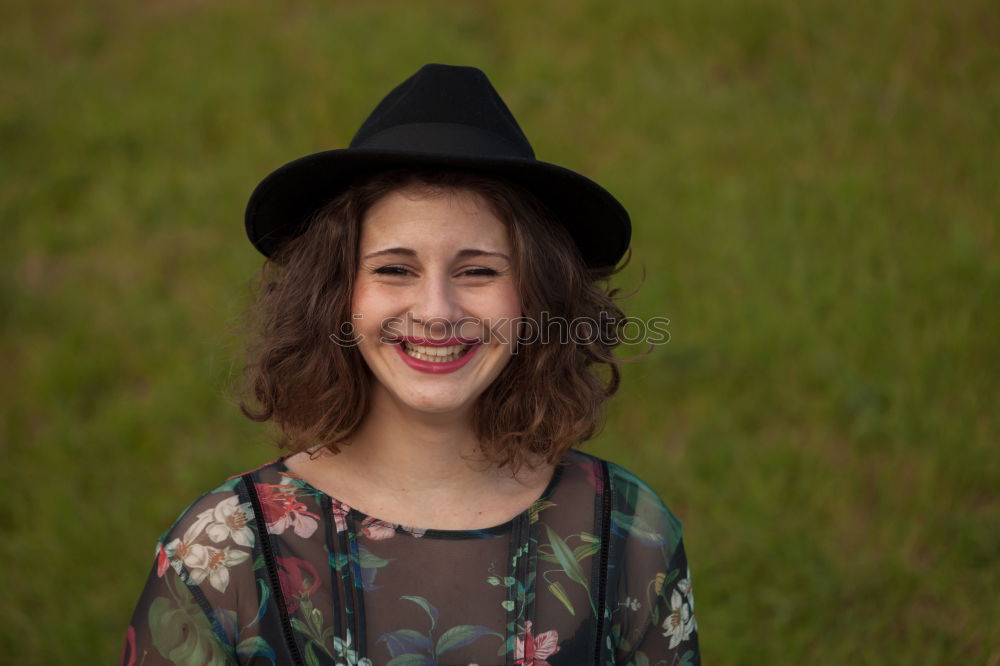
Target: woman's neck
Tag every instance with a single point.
(420, 469)
(417, 452)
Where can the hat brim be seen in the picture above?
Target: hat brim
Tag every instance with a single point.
(284, 202)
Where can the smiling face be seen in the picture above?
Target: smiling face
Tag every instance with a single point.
(434, 298)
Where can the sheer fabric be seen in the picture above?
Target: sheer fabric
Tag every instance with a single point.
(266, 569)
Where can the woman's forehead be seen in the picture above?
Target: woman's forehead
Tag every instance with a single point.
(424, 217)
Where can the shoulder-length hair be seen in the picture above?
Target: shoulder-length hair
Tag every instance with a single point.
(547, 399)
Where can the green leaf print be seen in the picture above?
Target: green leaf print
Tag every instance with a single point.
(298, 625)
(537, 508)
(371, 561)
(405, 641)
(460, 636)
(546, 556)
(255, 647)
(507, 646)
(570, 566)
(584, 551)
(182, 636)
(431, 611)
(339, 560)
(411, 660)
(265, 597)
(310, 654)
(559, 592)
(566, 559)
(588, 548)
(406, 645)
(638, 528)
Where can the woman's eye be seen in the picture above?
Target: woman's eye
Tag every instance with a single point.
(392, 270)
(479, 272)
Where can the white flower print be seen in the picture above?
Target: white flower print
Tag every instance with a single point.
(212, 563)
(229, 520)
(679, 624)
(194, 561)
(202, 520)
(631, 603)
(177, 550)
(342, 647)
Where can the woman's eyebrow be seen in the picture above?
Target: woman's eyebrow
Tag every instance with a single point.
(467, 252)
(472, 252)
(392, 250)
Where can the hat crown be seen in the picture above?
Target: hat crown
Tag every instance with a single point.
(458, 102)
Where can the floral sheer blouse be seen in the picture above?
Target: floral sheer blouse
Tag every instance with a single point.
(266, 569)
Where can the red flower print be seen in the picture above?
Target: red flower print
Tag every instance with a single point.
(377, 530)
(298, 580)
(594, 476)
(128, 650)
(532, 650)
(282, 509)
(162, 560)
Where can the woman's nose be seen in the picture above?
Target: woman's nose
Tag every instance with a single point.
(437, 307)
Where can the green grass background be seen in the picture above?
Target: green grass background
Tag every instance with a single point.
(814, 187)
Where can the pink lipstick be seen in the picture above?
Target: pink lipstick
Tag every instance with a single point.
(425, 364)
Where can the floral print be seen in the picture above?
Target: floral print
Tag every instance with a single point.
(298, 579)
(214, 563)
(195, 561)
(534, 650)
(229, 520)
(266, 569)
(377, 530)
(347, 656)
(283, 509)
(680, 622)
(631, 604)
(411, 646)
(339, 511)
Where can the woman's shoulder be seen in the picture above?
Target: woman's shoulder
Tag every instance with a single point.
(221, 519)
(271, 490)
(635, 505)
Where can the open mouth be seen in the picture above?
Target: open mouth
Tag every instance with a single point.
(435, 354)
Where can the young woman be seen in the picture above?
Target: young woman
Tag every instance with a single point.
(434, 339)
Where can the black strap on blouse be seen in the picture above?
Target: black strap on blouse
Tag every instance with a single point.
(272, 569)
(602, 584)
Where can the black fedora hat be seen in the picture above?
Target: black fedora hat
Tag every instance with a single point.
(442, 116)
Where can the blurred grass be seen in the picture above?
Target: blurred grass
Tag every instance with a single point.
(814, 188)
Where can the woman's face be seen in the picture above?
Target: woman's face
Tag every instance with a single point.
(434, 299)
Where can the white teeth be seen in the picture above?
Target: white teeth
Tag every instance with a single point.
(435, 351)
(435, 354)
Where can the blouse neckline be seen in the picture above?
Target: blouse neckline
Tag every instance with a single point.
(364, 519)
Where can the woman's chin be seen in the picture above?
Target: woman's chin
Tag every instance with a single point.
(440, 405)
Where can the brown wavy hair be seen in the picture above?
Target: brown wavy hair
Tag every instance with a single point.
(547, 399)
